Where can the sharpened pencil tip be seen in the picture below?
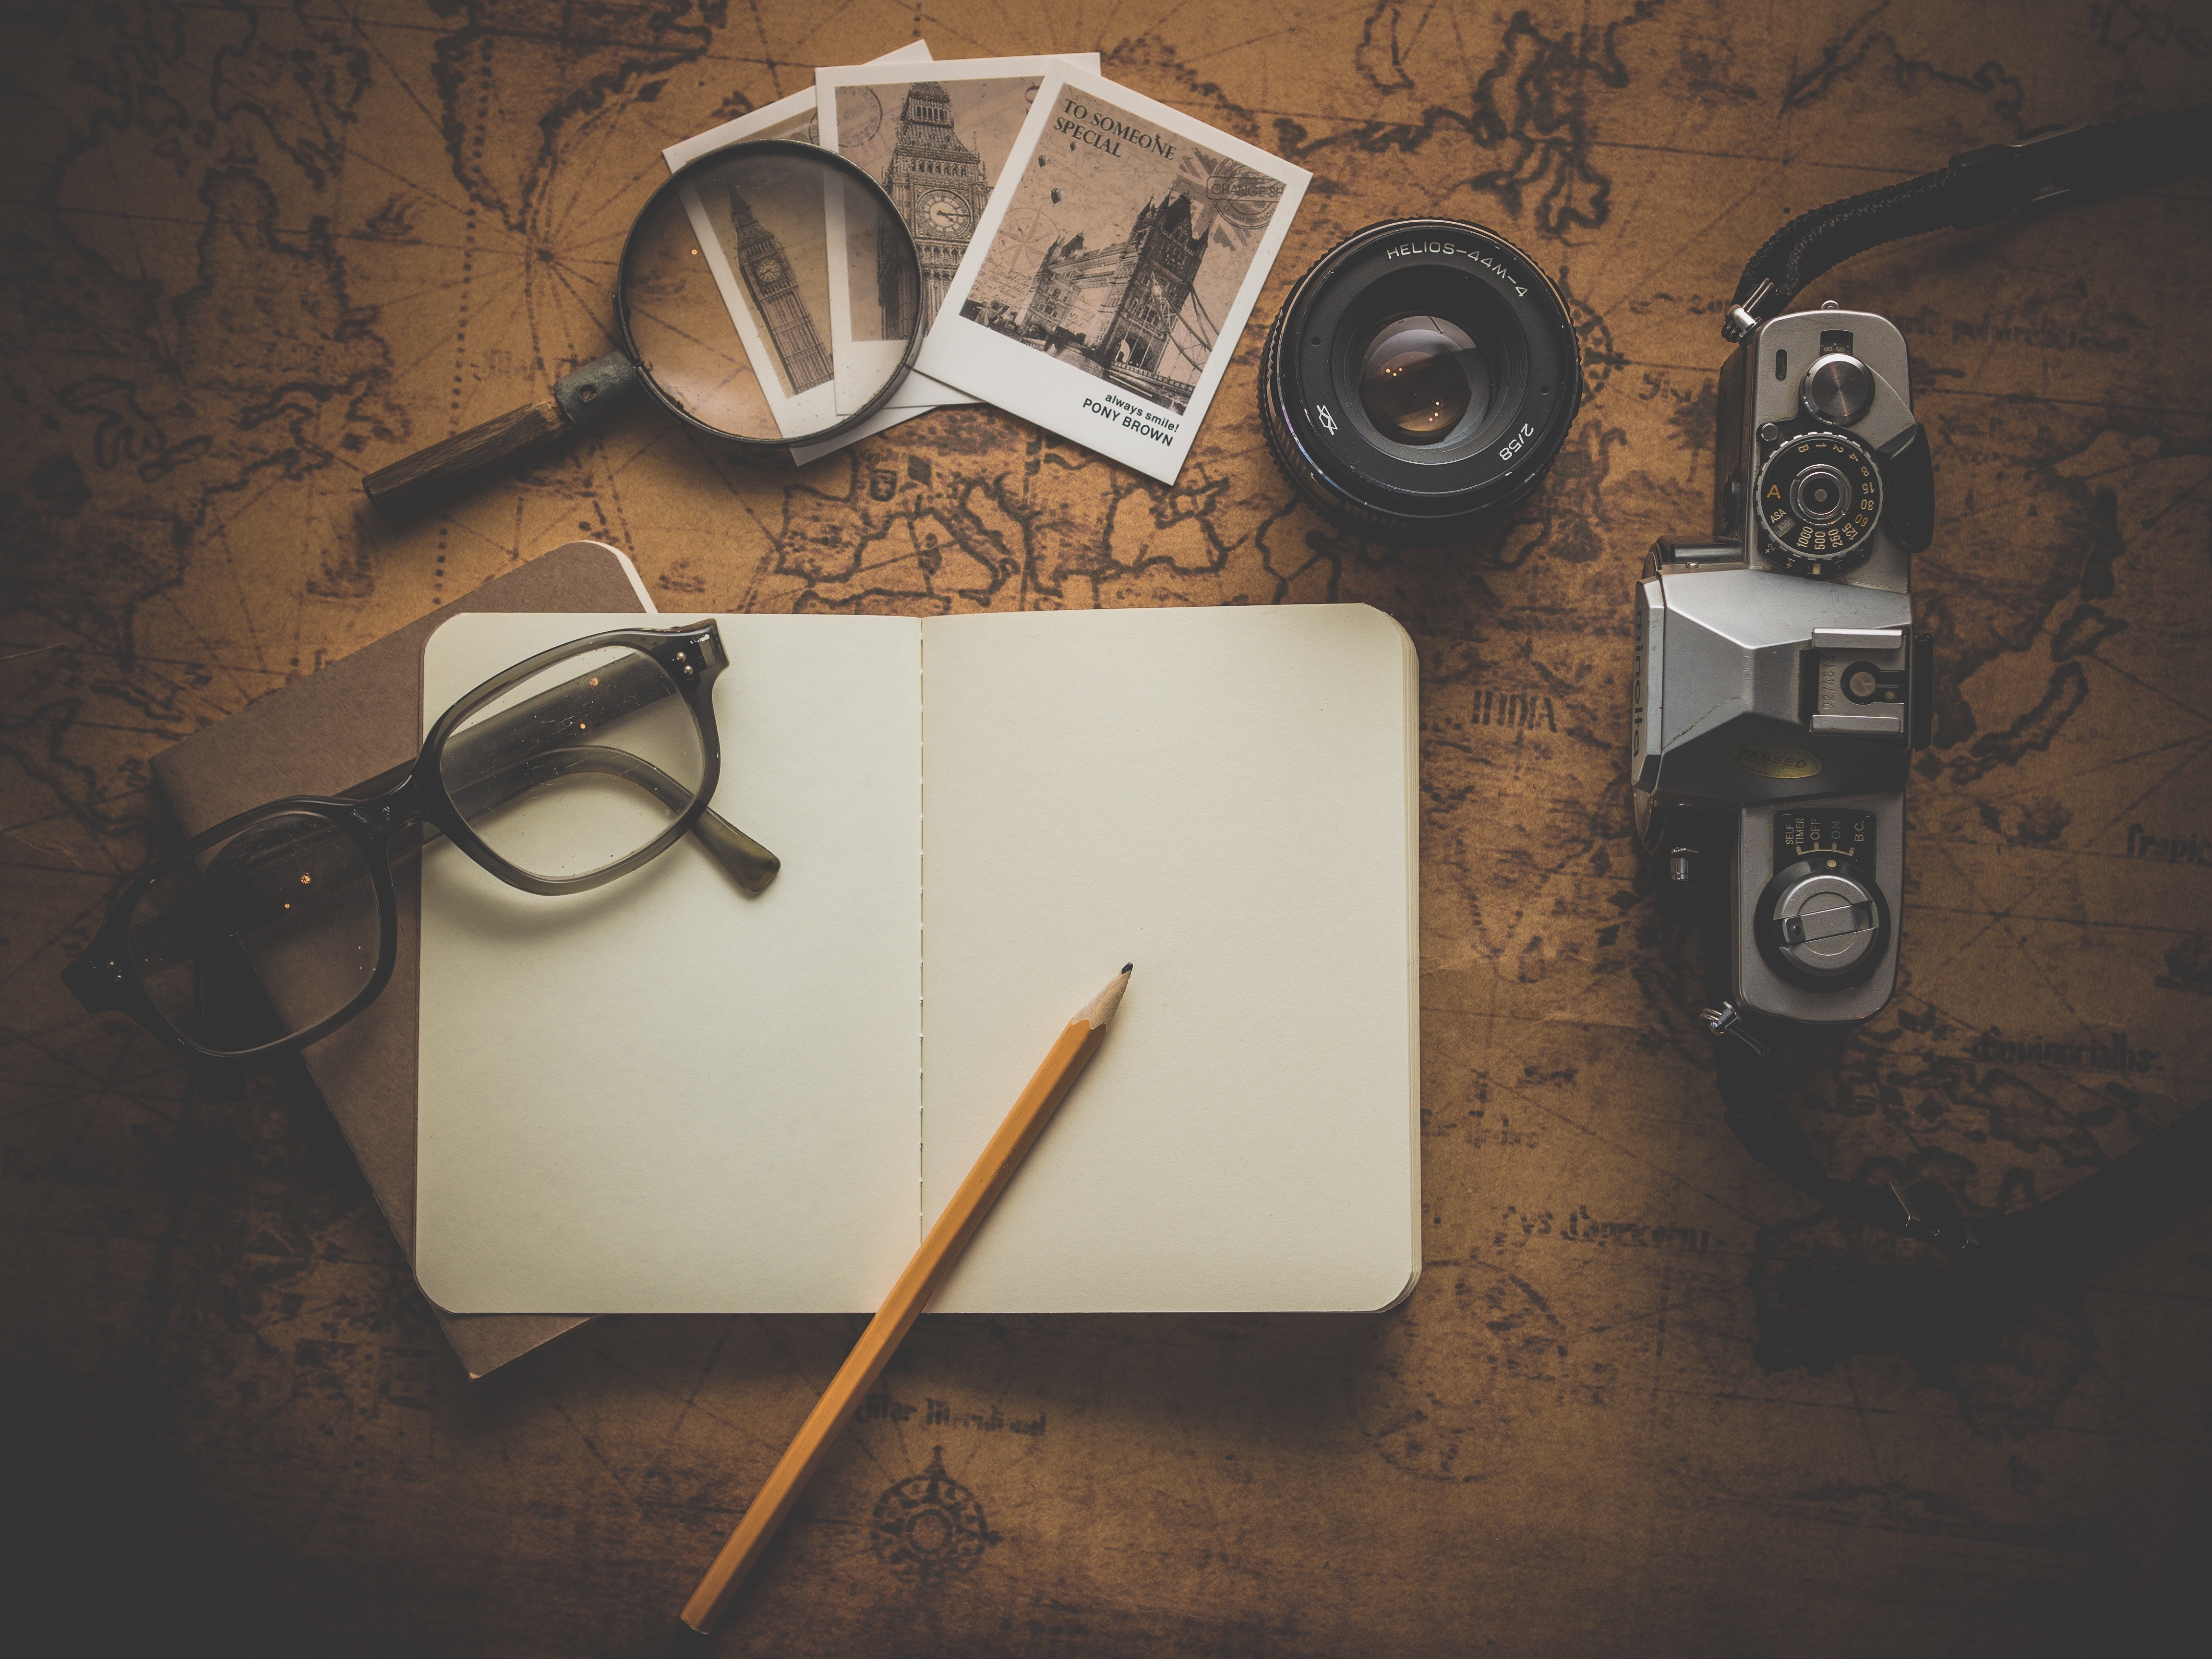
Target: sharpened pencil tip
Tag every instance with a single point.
(1098, 1012)
(1129, 967)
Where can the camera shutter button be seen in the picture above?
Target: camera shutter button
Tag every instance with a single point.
(1837, 389)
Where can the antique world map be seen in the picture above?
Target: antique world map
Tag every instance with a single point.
(1645, 1398)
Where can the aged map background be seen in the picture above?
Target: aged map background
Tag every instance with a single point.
(1644, 1400)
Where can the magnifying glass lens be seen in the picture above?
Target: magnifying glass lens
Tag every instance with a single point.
(726, 293)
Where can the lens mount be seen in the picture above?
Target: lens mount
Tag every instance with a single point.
(1423, 375)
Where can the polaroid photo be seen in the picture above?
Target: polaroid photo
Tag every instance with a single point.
(770, 260)
(937, 146)
(1103, 292)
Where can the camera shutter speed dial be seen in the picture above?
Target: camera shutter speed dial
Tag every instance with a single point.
(1819, 499)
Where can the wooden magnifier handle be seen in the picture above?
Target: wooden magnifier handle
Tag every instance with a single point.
(428, 476)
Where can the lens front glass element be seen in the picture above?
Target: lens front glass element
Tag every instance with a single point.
(580, 766)
(1421, 377)
(282, 914)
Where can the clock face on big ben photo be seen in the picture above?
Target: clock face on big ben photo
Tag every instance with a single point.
(769, 271)
(942, 213)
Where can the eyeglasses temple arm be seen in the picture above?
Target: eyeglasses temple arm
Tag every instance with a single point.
(750, 865)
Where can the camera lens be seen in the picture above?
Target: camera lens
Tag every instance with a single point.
(1422, 375)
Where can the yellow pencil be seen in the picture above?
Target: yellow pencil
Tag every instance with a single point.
(937, 1257)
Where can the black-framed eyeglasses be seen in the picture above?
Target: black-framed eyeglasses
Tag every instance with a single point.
(558, 775)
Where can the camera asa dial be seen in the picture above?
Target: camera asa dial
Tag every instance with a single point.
(1832, 453)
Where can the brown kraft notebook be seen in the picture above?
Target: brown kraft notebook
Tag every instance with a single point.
(358, 717)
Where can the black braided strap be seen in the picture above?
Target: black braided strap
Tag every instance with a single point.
(1818, 241)
(2105, 1210)
(1979, 187)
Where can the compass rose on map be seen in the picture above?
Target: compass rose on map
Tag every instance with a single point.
(928, 1527)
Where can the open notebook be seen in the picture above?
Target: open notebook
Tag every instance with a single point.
(664, 1097)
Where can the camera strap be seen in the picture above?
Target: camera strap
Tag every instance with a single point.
(1979, 187)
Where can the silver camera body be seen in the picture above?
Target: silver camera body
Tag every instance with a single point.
(1779, 685)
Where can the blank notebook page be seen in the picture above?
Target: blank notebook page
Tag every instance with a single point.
(664, 1097)
(1224, 796)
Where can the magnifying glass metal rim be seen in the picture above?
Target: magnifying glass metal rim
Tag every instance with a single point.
(689, 173)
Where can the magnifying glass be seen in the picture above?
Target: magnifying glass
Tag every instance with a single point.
(722, 308)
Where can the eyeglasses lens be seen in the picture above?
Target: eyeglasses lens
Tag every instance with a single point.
(578, 768)
(282, 914)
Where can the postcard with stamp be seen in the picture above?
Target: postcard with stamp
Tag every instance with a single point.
(938, 147)
(1103, 295)
(770, 259)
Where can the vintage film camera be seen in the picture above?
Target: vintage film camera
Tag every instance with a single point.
(1780, 687)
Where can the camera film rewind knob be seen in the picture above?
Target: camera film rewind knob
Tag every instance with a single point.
(1836, 390)
(1822, 923)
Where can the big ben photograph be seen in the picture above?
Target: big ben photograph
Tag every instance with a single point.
(802, 360)
(768, 248)
(937, 184)
(937, 146)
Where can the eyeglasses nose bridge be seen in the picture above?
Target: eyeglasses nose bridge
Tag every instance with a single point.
(380, 817)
